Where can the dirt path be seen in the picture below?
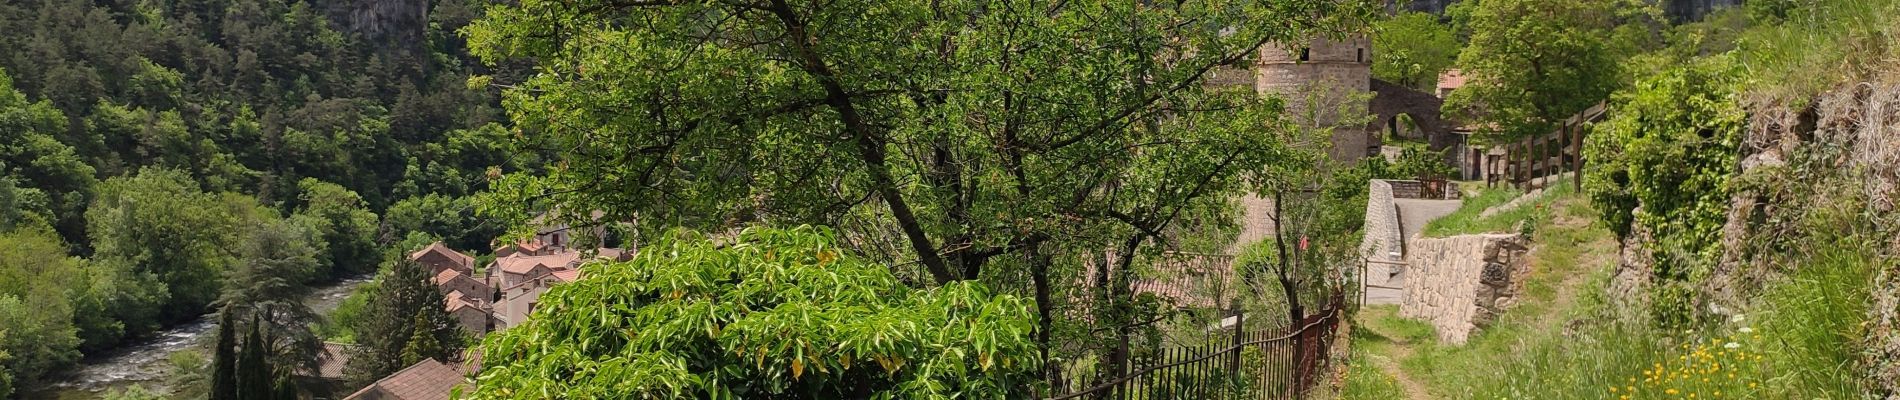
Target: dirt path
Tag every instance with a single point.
(1390, 348)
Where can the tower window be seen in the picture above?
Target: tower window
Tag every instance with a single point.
(1306, 53)
(1362, 55)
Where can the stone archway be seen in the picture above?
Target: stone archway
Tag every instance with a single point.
(1390, 100)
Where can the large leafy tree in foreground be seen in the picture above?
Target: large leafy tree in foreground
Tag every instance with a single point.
(772, 313)
(944, 137)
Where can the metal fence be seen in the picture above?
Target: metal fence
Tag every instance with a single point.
(1256, 364)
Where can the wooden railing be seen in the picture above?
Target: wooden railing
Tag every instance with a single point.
(1536, 162)
(1257, 364)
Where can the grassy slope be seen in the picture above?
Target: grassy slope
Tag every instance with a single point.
(1468, 219)
(1562, 340)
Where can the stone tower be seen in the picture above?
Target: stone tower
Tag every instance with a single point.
(1325, 83)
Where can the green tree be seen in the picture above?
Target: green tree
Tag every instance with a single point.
(273, 262)
(158, 227)
(41, 291)
(420, 347)
(451, 218)
(32, 157)
(224, 357)
(1411, 49)
(968, 142)
(1533, 63)
(254, 376)
(776, 313)
(343, 223)
(403, 304)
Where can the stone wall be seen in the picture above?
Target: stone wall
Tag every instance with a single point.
(1383, 236)
(1461, 283)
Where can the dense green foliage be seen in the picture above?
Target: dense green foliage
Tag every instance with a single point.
(156, 156)
(1411, 49)
(1662, 167)
(403, 305)
(770, 313)
(1532, 63)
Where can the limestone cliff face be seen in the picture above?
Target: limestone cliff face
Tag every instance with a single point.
(399, 22)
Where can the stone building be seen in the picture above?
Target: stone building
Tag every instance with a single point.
(1325, 82)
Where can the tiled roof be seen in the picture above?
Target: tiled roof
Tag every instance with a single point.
(427, 380)
(330, 365)
(454, 300)
(520, 264)
(445, 276)
(567, 275)
(460, 259)
(1451, 79)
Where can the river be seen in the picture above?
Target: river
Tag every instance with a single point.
(147, 362)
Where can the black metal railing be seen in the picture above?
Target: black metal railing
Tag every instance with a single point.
(1259, 364)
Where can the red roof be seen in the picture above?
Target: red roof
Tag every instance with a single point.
(427, 380)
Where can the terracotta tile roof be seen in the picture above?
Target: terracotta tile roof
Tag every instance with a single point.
(454, 300)
(427, 380)
(1451, 79)
(460, 259)
(445, 276)
(520, 264)
(567, 275)
(330, 364)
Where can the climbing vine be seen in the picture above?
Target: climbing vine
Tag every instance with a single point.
(1662, 166)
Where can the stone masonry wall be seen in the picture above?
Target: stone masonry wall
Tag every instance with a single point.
(1461, 283)
(1383, 236)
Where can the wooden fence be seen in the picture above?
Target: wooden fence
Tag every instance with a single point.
(1259, 364)
(1538, 161)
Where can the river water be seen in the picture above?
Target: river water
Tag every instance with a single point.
(147, 362)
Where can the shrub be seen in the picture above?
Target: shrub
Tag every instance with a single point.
(777, 313)
(1663, 163)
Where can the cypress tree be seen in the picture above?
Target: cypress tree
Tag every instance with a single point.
(223, 370)
(254, 375)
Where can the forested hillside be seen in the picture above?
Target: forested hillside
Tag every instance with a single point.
(150, 149)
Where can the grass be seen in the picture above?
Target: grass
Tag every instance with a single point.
(1565, 339)
(1822, 44)
(1469, 219)
(1366, 381)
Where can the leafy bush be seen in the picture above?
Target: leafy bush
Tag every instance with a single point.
(777, 313)
(1663, 163)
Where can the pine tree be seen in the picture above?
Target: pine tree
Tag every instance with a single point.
(402, 305)
(422, 346)
(223, 370)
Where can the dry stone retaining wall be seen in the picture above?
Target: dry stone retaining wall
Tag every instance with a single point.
(1461, 283)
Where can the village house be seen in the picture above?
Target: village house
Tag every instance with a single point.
(439, 257)
(426, 380)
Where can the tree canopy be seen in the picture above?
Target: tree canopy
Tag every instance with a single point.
(769, 313)
(1411, 49)
(988, 129)
(1532, 63)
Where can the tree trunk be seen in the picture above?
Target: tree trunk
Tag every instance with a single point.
(1293, 310)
